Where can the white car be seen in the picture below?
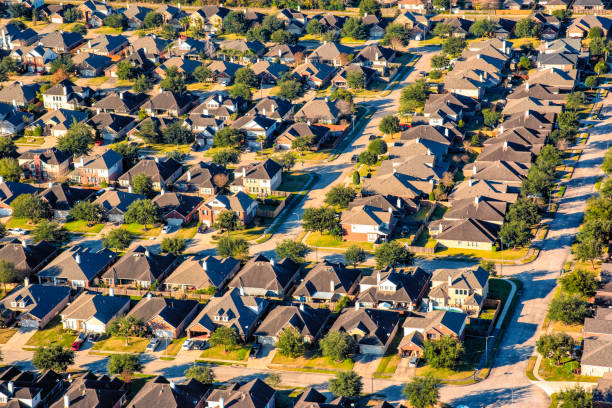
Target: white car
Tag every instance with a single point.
(153, 344)
(187, 345)
(17, 231)
(166, 229)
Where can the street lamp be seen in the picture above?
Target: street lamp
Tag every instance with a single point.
(487, 348)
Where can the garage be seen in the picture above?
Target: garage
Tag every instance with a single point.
(163, 333)
(5, 212)
(266, 340)
(177, 222)
(29, 323)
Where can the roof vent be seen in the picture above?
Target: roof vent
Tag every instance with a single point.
(149, 295)
(272, 262)
(204, 265)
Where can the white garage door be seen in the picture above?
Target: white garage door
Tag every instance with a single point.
(163, 333)
(5, 212)
(269, 340)
(174, 221)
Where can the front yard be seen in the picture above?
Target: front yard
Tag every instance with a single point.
(138, 230)
(83, 227)
(316, 239)
(508, 254)
(218, 353)
(53, 335)
(312, 362)
(6, 334)
(22, 223)
(117, 344)
(567, 371)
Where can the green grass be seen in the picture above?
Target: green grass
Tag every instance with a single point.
(293, 181)
(106, 30)
(136, 344)
(509, 254)
(420, 215)
(22, 223)
(499, 289)
(315, 239)
(30, 140)
(530, 366)
(138, 381)
(6, 334)
(313, 361)
(138, 229)
(175, 346)
(564, 372)
(166, 148)
(554, 400)
(54, 334)
(83, 226)
(97, 81)
(188, 231)
(236, 354)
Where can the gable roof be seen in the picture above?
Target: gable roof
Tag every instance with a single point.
(480, 208)
(239, 202)
(163, 393)
(121, 102)
(63, 197)
(20, 93)
(78, 263)
(183, 204)
(409, 284)
(26, 256)
(201, 174)
(319, 280)
(318, 109)
(470, 230)
(202, 272)
(39, 300)
(139, 264)
(263, 170)
(158, 170)
(305, 319)
(454, 321)
(117, 200)
(172, 311)
(51, 156)
(262, 273)
(254, 394)
(376, 325)
(103, 161)
(95, 305)
(9, 190)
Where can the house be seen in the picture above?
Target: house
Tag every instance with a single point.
(399, 207)
(164, 393)
(479, 208)
(92, 391)
(111, 127)
(506, 172)
(508, 152)
(295, 21)
(563, 61)
(266, 277)
(596, 357)
(94, 12)
(258, 130)
(220, 106)
(375, 26)
(561, 45)
(36, 304)
(140, 62)
(203, 178)
(77, 267)
(57, 122)
(332, 22)
(308, 321)
(332, 53)
(210, 18)
(320, 110)
(394, 288)
(269, 72)
(419, 6)
(580, 26)
(50, 164)
(560, 81)
(91, 312)
(162, 172)
(461, 26)
(136, 15)
(122, 102)
(483, 188)
(153, 47)
(9, 190)
(545, 94)
(115, 203)
(373, 329)
(443, 108)
(285, 54)
(27, 388)
(602, 394)
(13, 37)
(254, 394)
(340, 80)
(257, 178)
(176, 208)
(467, 234)
(241, 50)
(107, 45)
(433, 325)
(314, 74)
(202, 273)
(232, 309)
(61, 41)
(465, 289)
(581, 6)
(159, 124)
(327, 282)
(240, 203)
(98, 169)
(184, 66)
(367, 224)
(204, 128)
(193, 49)
(273, 108)
(223, 72)
(169, 103)
(597, 326)
(18, 94)
(66, 95)
(27, 258)
(62, 198)
(317, 135)
(139, 267)
(311, 398)
(12, 120)
(171, 14)
(91, 65)
(164, 317)
(376, 57)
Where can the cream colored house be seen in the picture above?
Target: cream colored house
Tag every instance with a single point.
(465, 289)
(257, 178)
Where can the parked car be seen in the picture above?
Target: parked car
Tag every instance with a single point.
(76, 345)
(202, 228)
(414, 360)
(373, 137)
(255, 350)
(166, 229)
(17, 231)
(200, 344)
(153, 344)
(195, 147)
(187, 345)
(355, 158)
(99, 142)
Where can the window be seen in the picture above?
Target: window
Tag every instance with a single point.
(13, 304)
(225, 318)
(217, 318)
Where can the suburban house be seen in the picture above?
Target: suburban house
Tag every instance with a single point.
(285, 53)
(210, 17)
(257, 178)
(111, 127)
(106, 45)
(9, 190)
(367, 224)
(468, 233)
(266, 277)
(77, 267)
(254, 394)
(91, 312)
(219, 106)
(61, 41)
(139, 267)
(314, 74)
(19, 94)
(123, 102)
(90, 390)
(56, 122)
(602, 393)
(36, 304)
(317, 135)
(27, 258)
(341, 79)
(394, 288)
(257, 129)
(177, 208)
(61, 198)
(596, 357)
(233, 309)
(89, 65)
(162, 172)
(115, 203)
(164, 317)
(269, 72)
(332, 53)
(373, 329)
(274, 108)
(50, 164)
(465, 289)
(98, 169)
(223, 71)
(321, 111)
(308, 321)
(196, 273)
(161, 392)
(483, 188)
(580, 27)
(66, 95)
(240, 203)
(29, 388)
(420, 327)
(327, 282)
(169, 103)
(203, 178)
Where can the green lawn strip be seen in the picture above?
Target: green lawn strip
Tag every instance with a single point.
(567, 328)
(30, 140)
(217, 362)
(312, 361)
(54, 334)
(530, 366)
(218, 353)
(554, 400)
(174, 347)
(6, 334)
(508, 254)
(83, 226)
(138, 230)
(316, 239)
(188, 231)
(293, 181)
(135, 345)
(22, 223)
(564, 372)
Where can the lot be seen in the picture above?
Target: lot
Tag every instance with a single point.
(53, 334)
(218, 353)
(117, 344)
(312, 361)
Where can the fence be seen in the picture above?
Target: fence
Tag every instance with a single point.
(272, 213)
(177, 294)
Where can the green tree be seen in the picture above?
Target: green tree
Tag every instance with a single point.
(54, 358)
(422, 392)
(232, 246)
(290, 343)
(392, 254)
(526, 27)
(606, 166)
(226, 156)
(246, 76)
(340, 196)
(10, 169)
(129, 152)
(482, 27)
(388, 125)
(79, 29)
(491, 117)
(286, 160)
(443, 30)
(367, 7)
(8, 65)
(443, 353)
(173, 245)
(143, 212)
(320, 219)
(290, 89)
(515, 233)
(142, 184)
(115, 20)
(62, 63)
(347, 384)
(173, 81)
(338, 346)
(538, 183)
(226, 337)
(142, 84)
(379, 146)
(31, 207)
(294, 250)
(8, 273)
(124, 364)
(413, 96)
(357, 178)
(524, 63)
(241, 91)
(126, 326)
(235, 23)
(273, 380)
(441, 4)
(595, 32)
(563, 15)
(86, 211)
(355, 80)
(589, 248)
(605, 190)
(77, 140)
(228, 137)
(7, 147)
(591, 81)
(396, 35)
(283, 37)
(523, 209)
(228, 220)
(488, 266)
(354, 255)
(548, 159)
(574, 100)
(367, 158)
(601, 67)
(576, 397)
(354, 27)
(202, 73)
(126, 70)
(569, 309)
(314, 27)
(118, 239)
(200, 373)
(439, 61)
(50, 231)
(555, 346)
(177, 133)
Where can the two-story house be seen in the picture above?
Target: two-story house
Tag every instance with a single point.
(203, 178)
(394, 288)
(433, 325)
(98, 169)
(367, 224)
(240, 203)
(66, 95)
(162, 172)
(464, 289)
(257, 178)
(50, 164)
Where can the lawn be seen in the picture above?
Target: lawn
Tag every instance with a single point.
(138, 381)
(237, 354)
(83, 226)
(249, 234)
(567, 328)
(6, 334)
(175, 347)
(124, 83)
(53, 334)
(97, 81)
(313, 361)
(420, 215)
(30, 140)
(315, 239)
(388, 364)
(166, 148)
(188, 231)
(136, 344)
(509, 254)
(564, 372)
(293, 181)
(138, 229)
(106, 30)
(199, 86)
(22, 223)
(474, 349)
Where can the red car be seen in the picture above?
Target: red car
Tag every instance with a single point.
(99, 142)
(76, 345)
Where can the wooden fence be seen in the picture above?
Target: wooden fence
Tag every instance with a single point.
(176, 294)
(272, 213)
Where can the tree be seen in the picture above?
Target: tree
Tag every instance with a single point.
(86, 211)
(548, 159)
(228, 220)
(524, 63)
(340, 196)
(286, 160)
(142, 184)
(591, 81)
(200, 373)
(367, 158)
(574, 100)
(290, 89)
(232, 246)
(124, 364)
(202, 73)
(537, 183)
(320, 219)
(79, 29)
(290, 343)
(118, 239)
(142, 84)
(8, 273)
(605, 190)
(576, 397)
(235, 23)
(606, 166)
(168, 31)
(283, 37)
(129, 151)
(338, 346)
(523, 209)
(388, 125)
(126, 326)
(7, 147)
(177, 133)
(443, 353)
(588, 249)
(601, 67)
(441, 4)
(569, 309)
(488, 266)
(392, 254)
(595, 32)
(226, 156)
(515, 233)
(245, 75)
(294, 250)
(354, 27)
(115, 20)
(439, 61)
(396, 35)
(31, 207)
(314, 27)
(174, 245)
(422, 392)
(413, 96)
(50, 232)
(272, 23)
(482, 27)
(241, 91)
(354, 255)
(54, 358)
(555, 346)
(142, 212)
(443, 30)
(346, 384)
(224, 336)
(173, 81)
(77, 140)
(10, 169)
(526, 27)
(491, 117)
(8, 65)
(355, 80)
(273, 380)
(367, 7)
(126, 70)
(356, 178)
(563, 14)
(228, 137)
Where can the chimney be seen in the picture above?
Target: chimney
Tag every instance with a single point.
(480, 77)
(505, 144)
(14, 103)
(280, 52)
(394, 170)
(272, 262)
(477, 56)
(89, 43)
(161, 90)
(189, 175)
(26, 282)
(504, 47)
(356, 305)
(450, 281)
(121, 95)
(172, 385)
(476, 200)
(470, 182)
(474, 169)
(418, 140)
(156, 159)
(65, 90)
(220, 97)
(241, 290)
(428, 152)
(527, 113)
(162, 192)
(204, 264)
(272, 108)
(399, 203)
(11, 388)
(221, 403)
(527, 86)
(263, 111)
(446, 132)
(98, 110)
(378, 277)
(301, 307)
(332, 286)
(1, 179)
(111, 291)
(149, 295)
(440, 227)
(130, 189)
(66, 401)
(23, 243)
(50, 184)
(147, 253)
(501, 129)
(77, 259)
(244, 172)
(82, 161)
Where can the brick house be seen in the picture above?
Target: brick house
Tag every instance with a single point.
(240, 203)
(420, 327)
(101, 168)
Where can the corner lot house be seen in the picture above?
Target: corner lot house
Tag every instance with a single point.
(373, 329)
(165, 317)
(91, 312)
(257, 178)
(177, 208)
(254, 394)
(420, 327)
(37, 304)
